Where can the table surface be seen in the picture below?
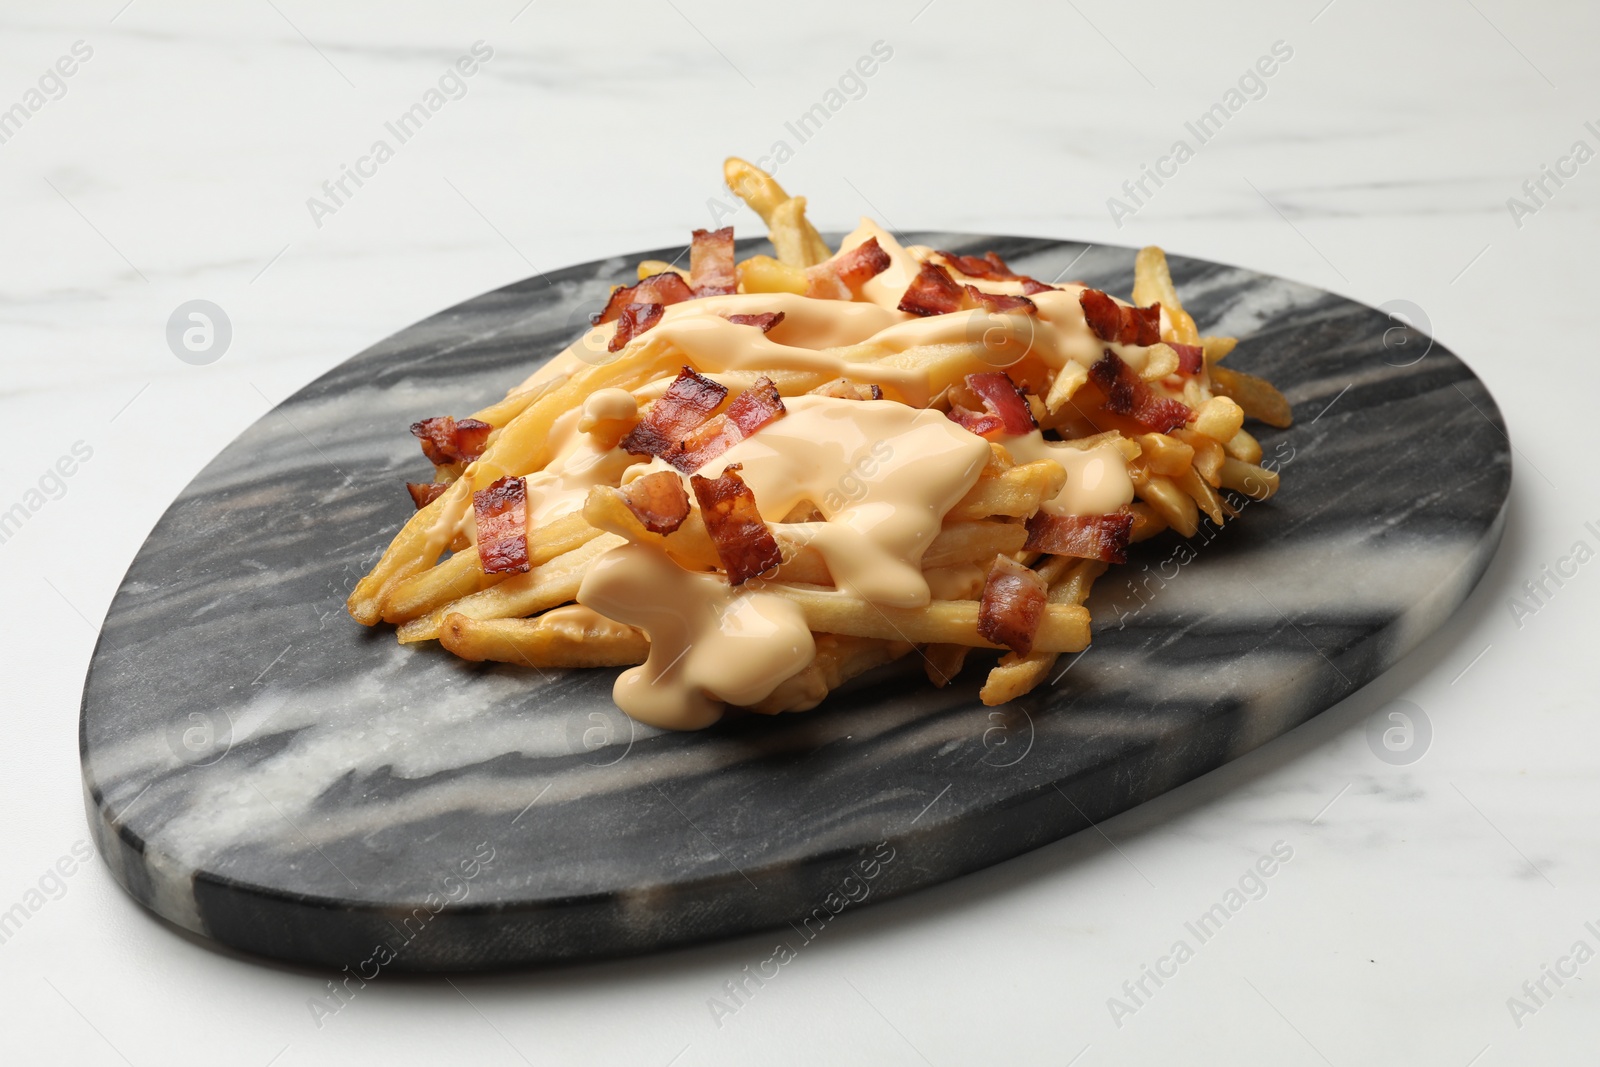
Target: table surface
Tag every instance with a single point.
(1425, 908)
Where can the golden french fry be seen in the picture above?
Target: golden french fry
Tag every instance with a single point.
(1161, 360)
(1147, 522)
(1063, 628)
(1255, 395)
(941, 663)
(1243, 446)
(1219, 419)
(1254, 482)
(462, 574)
(763, 274)
(1172, 503)
(562, 637)
(500, 413)
(1217, 348)
(973, 542)
(1208, 454)
(1163, 454)
(766, 198)
(415, 548)
(1152, 284)
(1017, 492)
(539, 589)
(1205, 497)
(1066, 381)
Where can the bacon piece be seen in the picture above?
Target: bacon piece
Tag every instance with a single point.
(1004, 400)
(634, 320)
(841, 277)
(1191, 358)
(763, 322)
(932, 292)
(1103, 537)
(658, 500)
(688, 401)
(447, 440)
(425, 493)
(668, 287)
(976, 422)
(1030, 287)
(1012, 604)
(743, 542)
(1127, 394)
(866, 260)
(711, 270)
(990, 266)
(1110, 321)
(501, 512)
(999, 303)
(750, 410)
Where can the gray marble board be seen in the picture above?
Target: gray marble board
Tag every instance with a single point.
(262, 771)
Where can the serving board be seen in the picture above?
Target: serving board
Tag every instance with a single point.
(261, 770)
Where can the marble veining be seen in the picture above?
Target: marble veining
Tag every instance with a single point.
(262, 771)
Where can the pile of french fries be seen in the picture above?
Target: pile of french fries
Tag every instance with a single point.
(434, 588)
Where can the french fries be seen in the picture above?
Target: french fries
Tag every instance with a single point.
(432, 584)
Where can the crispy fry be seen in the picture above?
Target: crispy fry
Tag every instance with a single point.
(1219, 419)
(1244, 447)
(941, 663)
(1208, 454)
(1066, 382)
(763, 274)
(1255, 395)
(1017, 492)
(1160, 361)
(1217, 348)
(1249, 479)
(1147, 522)
(1152, 284)
(558, 638)
(1164, 454)
(1172, 503)
(462, 574)
(1204, 496)
(796, 240)
(973, 542)
(649, 268)
(545, 586)
(415, 548)
(1064, 628)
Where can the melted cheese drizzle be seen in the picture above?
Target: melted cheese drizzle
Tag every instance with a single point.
(1097, 478)
(710, 644)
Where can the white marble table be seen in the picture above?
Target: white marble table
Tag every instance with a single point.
(176, 162)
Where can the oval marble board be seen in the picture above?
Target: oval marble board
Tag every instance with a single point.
(261, 770)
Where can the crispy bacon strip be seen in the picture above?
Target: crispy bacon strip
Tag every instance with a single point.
(981, 423)
(743, 542)
(999, 303)
(658, 500)
(1191, 358)
(750, 410)
(688, 401)
(1012, 604)
(932, 292)
(1103, 537)
(711, 271)
(1110, 321)
(501, 511)
(634, 320)
(425, 493)
(990, 266)
(1030, 287)
(841, 277)
(668, 287)
(1127, 394)
(447, 440)
(1004, 400)
(763, 322)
